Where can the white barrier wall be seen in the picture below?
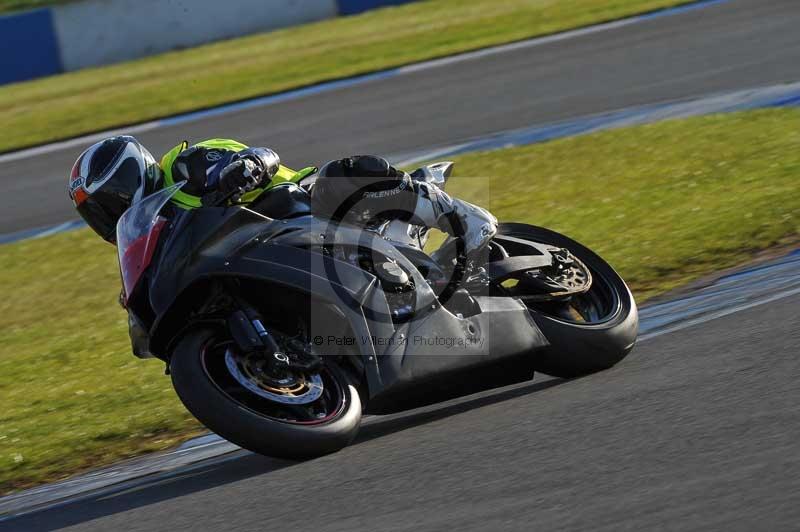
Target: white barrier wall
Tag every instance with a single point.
(98, 32)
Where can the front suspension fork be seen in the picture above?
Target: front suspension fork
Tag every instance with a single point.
(248, 332)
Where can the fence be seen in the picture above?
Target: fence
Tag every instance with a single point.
(90, 33)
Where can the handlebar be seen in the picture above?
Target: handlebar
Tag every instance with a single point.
(215, 200)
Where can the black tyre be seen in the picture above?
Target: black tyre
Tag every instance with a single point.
(589, 332)
(207, 386)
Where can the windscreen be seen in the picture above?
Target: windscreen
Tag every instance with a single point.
(138, 230)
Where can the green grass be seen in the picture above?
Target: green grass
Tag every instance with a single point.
(664, 203)
(6, 6)
(96, 99)
(73, 395)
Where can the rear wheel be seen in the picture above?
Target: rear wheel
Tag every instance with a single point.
(589, 331)
(289, 415)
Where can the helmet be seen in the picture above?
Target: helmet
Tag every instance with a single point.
(109, 177)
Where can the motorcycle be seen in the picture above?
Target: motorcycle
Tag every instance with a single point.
(280, 329)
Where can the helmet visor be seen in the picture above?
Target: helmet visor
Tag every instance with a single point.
(102, 218)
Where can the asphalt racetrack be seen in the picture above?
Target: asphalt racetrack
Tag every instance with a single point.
(728, 46)
(696, 429)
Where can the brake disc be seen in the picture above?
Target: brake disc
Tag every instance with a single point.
(290, 389)
(567, 276)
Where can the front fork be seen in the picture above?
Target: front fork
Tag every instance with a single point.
(250, 335)
(248, 332)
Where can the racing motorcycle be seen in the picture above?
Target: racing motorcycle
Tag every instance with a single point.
(280, 328)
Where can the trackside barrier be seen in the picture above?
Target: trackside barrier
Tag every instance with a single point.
(29, 47)
(90, 33)
(100, 32)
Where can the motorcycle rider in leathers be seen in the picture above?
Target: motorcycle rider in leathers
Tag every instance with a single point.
(114, 173)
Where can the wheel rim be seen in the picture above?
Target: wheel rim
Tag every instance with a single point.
(598, 305)
(287, 389)
(300, 400)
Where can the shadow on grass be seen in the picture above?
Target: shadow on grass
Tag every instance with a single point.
(242, 465)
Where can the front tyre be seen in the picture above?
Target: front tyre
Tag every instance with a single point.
(587, 333)
(202, 377)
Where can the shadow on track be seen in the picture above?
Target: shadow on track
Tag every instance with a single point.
(243, 465)
(386, 425)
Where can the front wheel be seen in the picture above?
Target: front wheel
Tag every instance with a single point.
(295, 416)
(588, 332)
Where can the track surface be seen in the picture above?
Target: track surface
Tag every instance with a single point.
(696, 429)
(734, 45)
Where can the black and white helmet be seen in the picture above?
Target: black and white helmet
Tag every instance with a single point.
(108, 178)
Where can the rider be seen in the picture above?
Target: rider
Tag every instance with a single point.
(114, 173)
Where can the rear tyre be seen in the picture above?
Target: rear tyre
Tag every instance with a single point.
(591, 332)
(250, 421)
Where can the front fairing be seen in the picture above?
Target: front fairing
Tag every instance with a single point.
(199, 240)
(210, 241)
(138, 233)
(215, 243)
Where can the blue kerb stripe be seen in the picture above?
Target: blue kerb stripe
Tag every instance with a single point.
(701, 4)
(30, 50)
(787, 102)
(788, 258)
(40, 232)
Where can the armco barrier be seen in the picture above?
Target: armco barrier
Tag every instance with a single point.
(29, 47)
(99, 32)
(89, 33)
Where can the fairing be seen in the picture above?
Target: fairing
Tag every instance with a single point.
(138, 231)
(233, 242)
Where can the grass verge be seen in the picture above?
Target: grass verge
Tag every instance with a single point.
(95, 99)
(664, 203)
(7, 6)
